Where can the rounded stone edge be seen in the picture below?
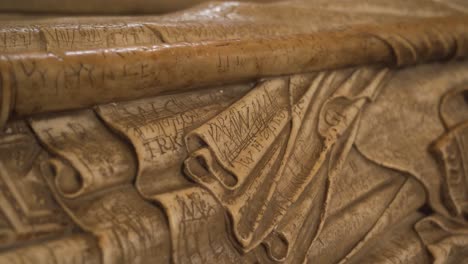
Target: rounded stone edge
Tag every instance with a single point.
(6, 99)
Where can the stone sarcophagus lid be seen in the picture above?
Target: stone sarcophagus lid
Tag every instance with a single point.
(305, 131)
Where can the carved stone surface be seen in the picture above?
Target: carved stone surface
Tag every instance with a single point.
(233, 132)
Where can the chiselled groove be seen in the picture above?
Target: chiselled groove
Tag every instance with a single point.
(156, 127)
(451, 151)
(326, 94)
(144, 71)
(6, 100)
(157, 33)
(283, 133)
(101, 161)
(385, 218)
(454, 99)
(376, 190)
(29, 211)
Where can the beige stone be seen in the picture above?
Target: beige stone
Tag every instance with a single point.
(234, 132)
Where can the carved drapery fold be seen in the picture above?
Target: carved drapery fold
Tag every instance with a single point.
(27, 208)
(156, 127)
(92, 182)
(270, 127)
(252, 156)
(452, 150)
(322, 112)
(446, 239)
(277, 170)
(101, 160)
(438, 108)
(405, 147)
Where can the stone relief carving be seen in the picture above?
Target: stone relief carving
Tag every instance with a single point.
(284, 132)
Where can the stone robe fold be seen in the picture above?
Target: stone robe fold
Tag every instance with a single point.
(252, 156)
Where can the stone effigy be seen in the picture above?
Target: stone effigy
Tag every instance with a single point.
(234, 132)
